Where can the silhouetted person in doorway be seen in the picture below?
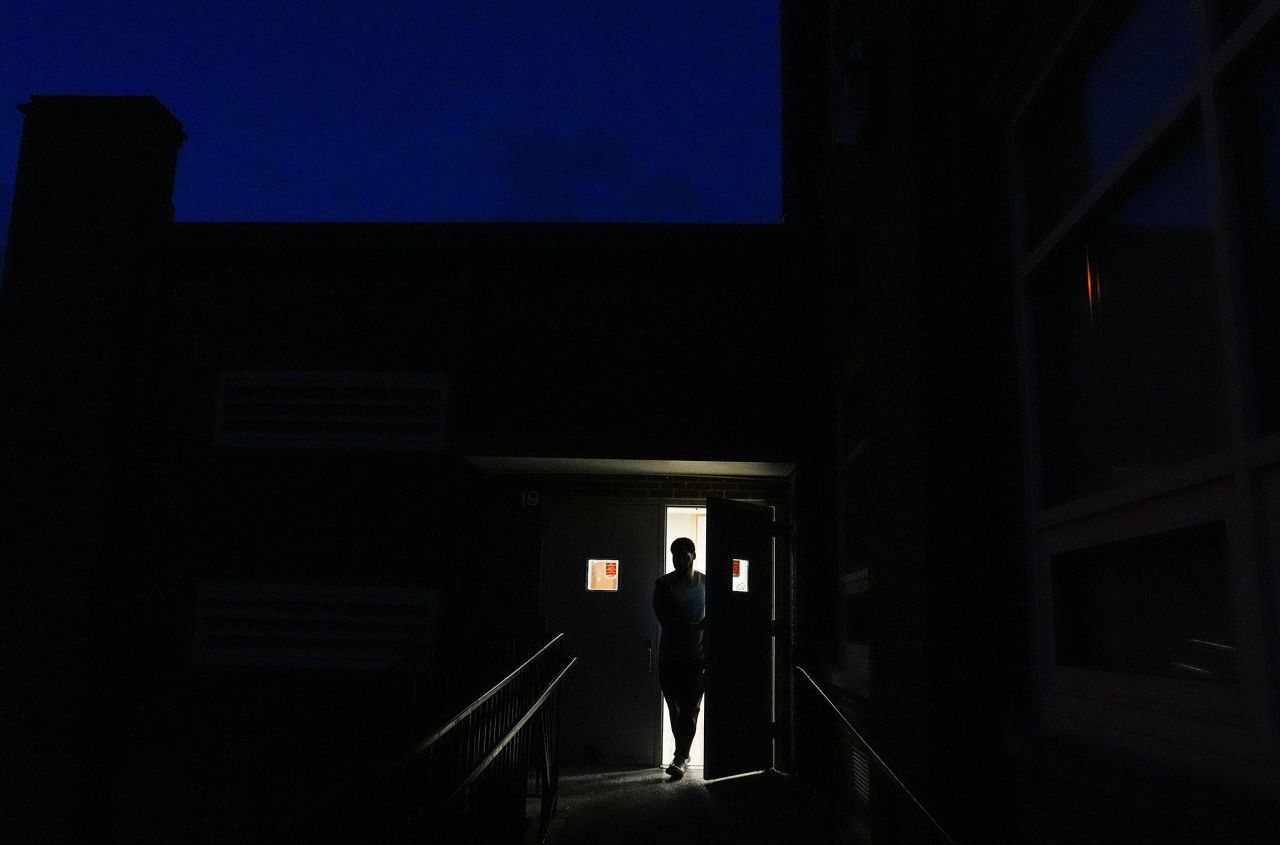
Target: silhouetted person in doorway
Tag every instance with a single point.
(680, 602)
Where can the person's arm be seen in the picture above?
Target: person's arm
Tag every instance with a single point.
(701, 624)
(664, 607)
(662, 604)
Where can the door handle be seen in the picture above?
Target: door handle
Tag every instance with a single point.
(648, 645)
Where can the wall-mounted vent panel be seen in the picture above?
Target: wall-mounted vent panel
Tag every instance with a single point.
(332, 410)
(311, 626)
(861, 775)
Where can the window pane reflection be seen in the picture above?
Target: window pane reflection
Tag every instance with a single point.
(1128, 341)
(1156, 605)
(1101, 101)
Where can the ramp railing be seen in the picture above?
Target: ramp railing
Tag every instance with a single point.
(836, 757)
(476, 778)
(471, 778)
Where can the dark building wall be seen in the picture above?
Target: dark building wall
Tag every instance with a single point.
(589, 339)
(555, 341)
(972, 585)
(884, 247)
(542, 357)
(673, 342)
(922, 462)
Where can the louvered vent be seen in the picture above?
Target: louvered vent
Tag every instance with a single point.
(317, 410)
(861, 775)
(325, 627)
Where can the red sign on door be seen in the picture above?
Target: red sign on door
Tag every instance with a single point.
(737, 568)
(602, 575)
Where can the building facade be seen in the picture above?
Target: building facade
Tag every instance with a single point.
(1006, 374)
(1049, 460)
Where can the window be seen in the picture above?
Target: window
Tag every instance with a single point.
(1157, 605)
(1128, 340)
(602, 576)
(1148, 185)
(1259, 182)
(1101, 101)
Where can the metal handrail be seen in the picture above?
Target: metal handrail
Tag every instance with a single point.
(511, 734)
(466, 753)
(873, 753)
(473, 706)
(407, 795)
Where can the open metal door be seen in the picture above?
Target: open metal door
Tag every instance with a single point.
(739, 638)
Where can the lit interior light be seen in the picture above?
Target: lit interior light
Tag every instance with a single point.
(1088, 283)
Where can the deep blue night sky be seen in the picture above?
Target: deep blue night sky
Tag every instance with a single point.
(468, 110)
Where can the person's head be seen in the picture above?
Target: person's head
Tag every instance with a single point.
(682, 554)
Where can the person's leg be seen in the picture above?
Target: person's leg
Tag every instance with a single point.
(676, 681)
(684, 685)
(690, 687)
(673, 709)
(668, 680)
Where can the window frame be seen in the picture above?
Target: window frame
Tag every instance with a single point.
(1234, 723)
(852, 572)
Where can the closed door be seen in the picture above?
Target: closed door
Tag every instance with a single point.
(600, 561)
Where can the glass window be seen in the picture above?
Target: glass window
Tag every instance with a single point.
(602, 575)
(1157, 605)
(1127, 338)
(1260, 178)
(1101, 99)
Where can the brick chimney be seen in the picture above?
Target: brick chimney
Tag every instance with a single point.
(94, 174)
(92, 200)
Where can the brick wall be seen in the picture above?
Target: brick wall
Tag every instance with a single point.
(918, 206)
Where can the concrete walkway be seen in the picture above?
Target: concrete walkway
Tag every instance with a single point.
(618, 806)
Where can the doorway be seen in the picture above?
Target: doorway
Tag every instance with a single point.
(600, 558)
(688, 522)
